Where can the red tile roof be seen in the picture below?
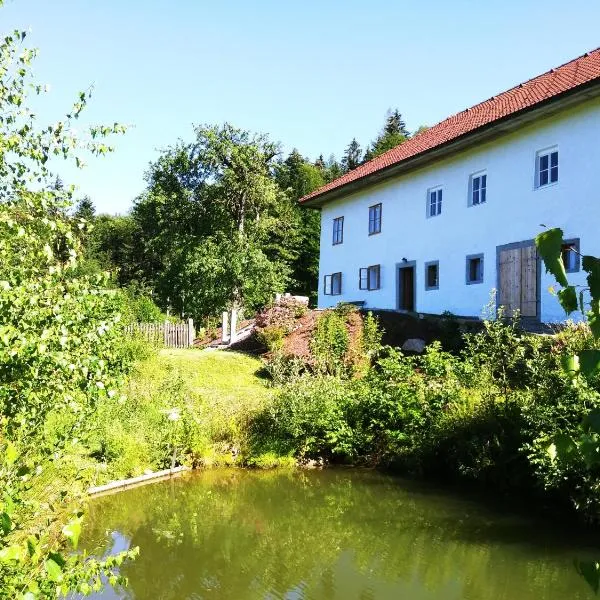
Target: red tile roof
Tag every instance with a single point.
(573, 74)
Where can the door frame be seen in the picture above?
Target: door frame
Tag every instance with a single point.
(410, 264)
(538, 285)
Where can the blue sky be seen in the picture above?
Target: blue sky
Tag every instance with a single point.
(311, 74)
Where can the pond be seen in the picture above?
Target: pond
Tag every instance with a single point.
(328, 535)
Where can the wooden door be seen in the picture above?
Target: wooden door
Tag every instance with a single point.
(407, 288)
(517, 280)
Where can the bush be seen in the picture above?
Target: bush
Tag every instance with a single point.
(330, 343)
(491, 414)
(307, 419)
(272, 336)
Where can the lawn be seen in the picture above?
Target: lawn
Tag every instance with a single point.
(224, 376)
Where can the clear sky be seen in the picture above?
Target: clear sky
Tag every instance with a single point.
(312, 74)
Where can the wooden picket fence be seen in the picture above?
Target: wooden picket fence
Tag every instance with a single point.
(170, 335)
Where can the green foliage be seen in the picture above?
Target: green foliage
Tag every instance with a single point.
(60, 353)
(393, 134)
(352, 156)
(500, 413)
(178, 407)
(307, 417)
(372, 335)
(272, 337)
(330, 343)
(573, 453)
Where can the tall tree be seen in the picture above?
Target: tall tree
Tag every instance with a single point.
(216, 228)
(298, 177)
(352, 156)
(393, 134)
(85, 209)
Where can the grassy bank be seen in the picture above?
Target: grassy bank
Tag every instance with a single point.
(180, 406)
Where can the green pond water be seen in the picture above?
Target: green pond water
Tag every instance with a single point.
(329, 535)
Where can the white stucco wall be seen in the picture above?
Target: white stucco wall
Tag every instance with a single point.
(514, 211)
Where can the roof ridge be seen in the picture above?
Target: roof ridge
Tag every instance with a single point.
(500, 105)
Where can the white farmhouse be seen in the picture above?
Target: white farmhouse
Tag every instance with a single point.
(436, 223)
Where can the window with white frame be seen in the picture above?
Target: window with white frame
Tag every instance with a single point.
(375, 219)
(434, 202)
(546, 167)
(333, 284)
(478, 189)
(338, 230)
(370, 278)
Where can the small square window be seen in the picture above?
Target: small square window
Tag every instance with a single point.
(570, 255)
(432, 275)
(333, 284)
(369, 278)
(434, 202)
(338, 230)
(474, 269)
(478, 189)
(547, 167)
(375, 219)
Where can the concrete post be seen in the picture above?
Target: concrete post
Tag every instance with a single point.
(191, 332)
(225, 337)
(234, 317)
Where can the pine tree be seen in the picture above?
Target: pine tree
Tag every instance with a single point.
(85, 209)
(394, 124)
(352, 157)
(393, 134)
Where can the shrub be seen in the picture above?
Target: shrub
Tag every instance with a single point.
(272, 336)
(307, 418)
(330, 343)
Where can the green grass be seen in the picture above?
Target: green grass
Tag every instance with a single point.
(224, 376)
(215, 395)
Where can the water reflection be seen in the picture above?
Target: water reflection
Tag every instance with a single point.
(331, 535)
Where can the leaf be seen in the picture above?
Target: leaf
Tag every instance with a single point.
(72, 530)
(58, 559)
(564, 447)
(549, 245)
(10, 454)
(5, 523)
(11, 553)
(592, 420)
(594, 323)
(53, 570)
(568, 299)
(570, 364)
(589, 363)
(590, 571)
(591, 265)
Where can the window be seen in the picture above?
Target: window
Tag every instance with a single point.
(547, 167)
(333, 284)
(369, 278)
(375, 219)
(434, 206)
(474, 268)
(338, 230)
(432, 275)
(570, 255)
(478, 189)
